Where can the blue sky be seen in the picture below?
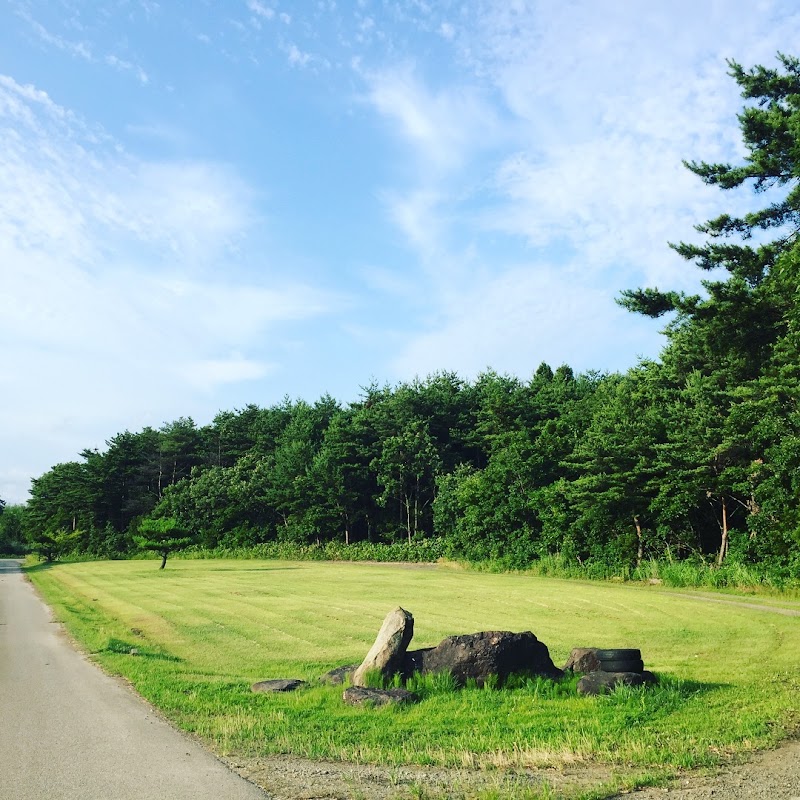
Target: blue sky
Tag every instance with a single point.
(208, 204)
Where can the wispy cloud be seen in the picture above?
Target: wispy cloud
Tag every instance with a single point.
(210, 373)
(443, 128)
(598, 106)
(523, 315)
(85, 51)
(78, 49)
(297, 58)
(112, 296)
(261, 10)
(126, 66)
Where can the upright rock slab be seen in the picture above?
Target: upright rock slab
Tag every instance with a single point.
(387, 654)
(478, 656)
(584, 660)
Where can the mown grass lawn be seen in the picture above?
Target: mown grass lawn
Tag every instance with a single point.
(206, 630)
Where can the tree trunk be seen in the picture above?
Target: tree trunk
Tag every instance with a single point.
(407, 501)
(163, 560)
(723, 547)
(639, 546)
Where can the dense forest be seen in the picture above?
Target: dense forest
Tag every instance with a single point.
(692, 456)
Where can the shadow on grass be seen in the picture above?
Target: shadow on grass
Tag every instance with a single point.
(685, 687)
(40, 567)
(250, 569)
(121, 647)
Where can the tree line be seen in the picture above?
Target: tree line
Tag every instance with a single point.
(693, 455)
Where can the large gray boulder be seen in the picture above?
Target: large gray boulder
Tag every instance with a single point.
(386, 655)
(478, 656)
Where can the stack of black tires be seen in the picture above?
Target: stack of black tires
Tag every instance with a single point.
(620, 660)
(605, 669)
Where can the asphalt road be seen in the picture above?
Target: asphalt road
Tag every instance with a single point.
(68, 731)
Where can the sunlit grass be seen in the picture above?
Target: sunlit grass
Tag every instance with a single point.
(205, 630)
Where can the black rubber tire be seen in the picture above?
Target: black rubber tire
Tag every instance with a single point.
(618, 654)
(629, 665)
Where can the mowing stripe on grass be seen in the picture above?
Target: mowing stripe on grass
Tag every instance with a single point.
(208, 629)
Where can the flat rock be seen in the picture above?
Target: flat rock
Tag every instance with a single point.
(386, 655)
(361, 695)
(339, 675)
(279, 685)
(479, 656)
(601, 682)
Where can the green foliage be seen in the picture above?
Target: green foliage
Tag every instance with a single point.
(12, 536)
(420, 551)
(162, 535)
(51, 545)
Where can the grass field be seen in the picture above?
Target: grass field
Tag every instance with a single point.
(206, 630)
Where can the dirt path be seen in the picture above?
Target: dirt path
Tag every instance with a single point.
(787, 612)
(68, 731)
(771, 775)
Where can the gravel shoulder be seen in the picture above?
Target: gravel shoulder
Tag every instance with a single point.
(291, 778)
(769, 775)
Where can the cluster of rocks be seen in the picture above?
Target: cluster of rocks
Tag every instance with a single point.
(478, 657)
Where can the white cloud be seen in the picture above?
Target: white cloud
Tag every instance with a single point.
(210, 373)
(516, 319)
(126, 66)
(84, 50)
(444, 127)
(297, 58)
(78, 49)
(416, 213)
(599, 105)
(260, 9)
(113, 310)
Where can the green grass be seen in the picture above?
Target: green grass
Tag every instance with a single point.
(206, 630)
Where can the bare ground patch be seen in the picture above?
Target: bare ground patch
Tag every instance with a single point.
(291, 778)
(768, 775)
